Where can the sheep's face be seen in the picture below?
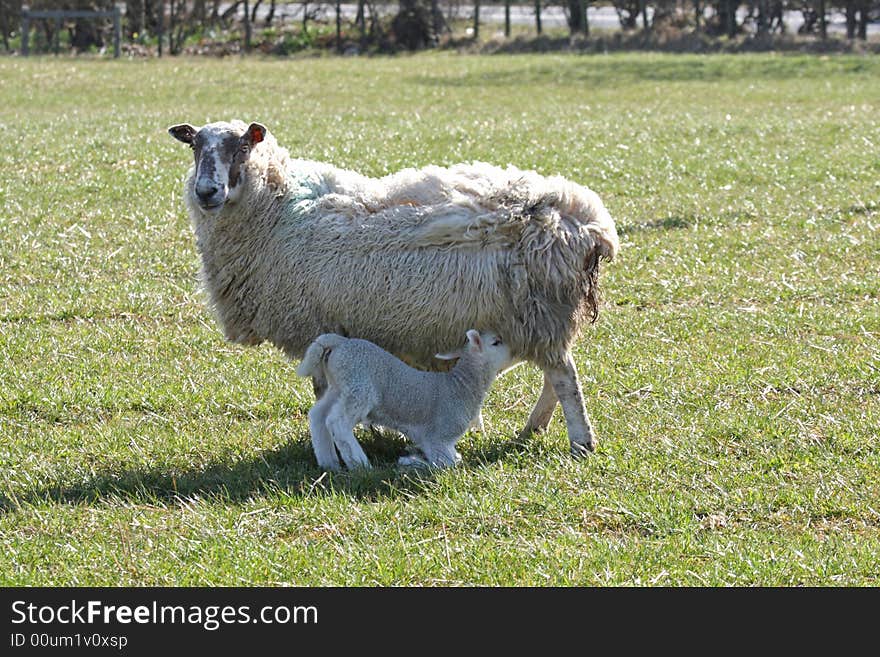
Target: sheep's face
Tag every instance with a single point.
(220, 150)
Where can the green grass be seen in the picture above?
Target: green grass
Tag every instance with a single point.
(733, 375)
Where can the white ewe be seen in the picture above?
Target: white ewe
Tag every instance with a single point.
(366, 384)
(292, 249)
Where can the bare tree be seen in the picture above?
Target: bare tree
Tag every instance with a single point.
(627, 13)
(413, 25)
(576, 16)
(271, 14)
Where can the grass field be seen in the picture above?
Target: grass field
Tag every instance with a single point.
(733, 376)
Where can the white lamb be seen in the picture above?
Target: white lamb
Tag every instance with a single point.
(366, 384)
(292, 249)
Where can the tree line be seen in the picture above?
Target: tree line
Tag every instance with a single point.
(414, 24)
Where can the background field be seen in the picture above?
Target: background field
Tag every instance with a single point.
(733, 375)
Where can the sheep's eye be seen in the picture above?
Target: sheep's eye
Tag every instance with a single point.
(496, 342)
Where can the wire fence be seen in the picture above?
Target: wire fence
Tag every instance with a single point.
(157, 27)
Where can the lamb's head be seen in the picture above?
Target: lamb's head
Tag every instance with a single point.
(488, 348)
(220, 150)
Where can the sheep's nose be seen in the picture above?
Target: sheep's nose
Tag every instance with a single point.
(206, 192)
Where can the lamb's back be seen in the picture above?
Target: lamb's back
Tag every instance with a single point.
(397, 393)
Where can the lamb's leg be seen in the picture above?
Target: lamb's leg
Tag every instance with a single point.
(568, 389)
(412, 461)
(477, 425)
(543, 411)
(322, 443)
(319, 387)
(444, 457)
(341, 428)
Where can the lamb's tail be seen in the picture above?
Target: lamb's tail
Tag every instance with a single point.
(312, 363)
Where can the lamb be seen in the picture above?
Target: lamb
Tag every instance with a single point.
(366, 384)
(292, 249)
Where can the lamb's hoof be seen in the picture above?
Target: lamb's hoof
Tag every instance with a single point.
(412, 461)
(579, 451)
(419, 461)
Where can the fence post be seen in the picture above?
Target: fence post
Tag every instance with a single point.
(731, 18)
(436, 22)
(117, 31)
(476, 19)
(538, 15)
(247, 26)
(57, 36)
(507, 18)
(25, 29)
(160, 27)
(338, 25)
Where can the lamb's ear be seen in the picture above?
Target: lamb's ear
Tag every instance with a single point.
(183, 132)
(475, 339)
(449, 355)
(255, 133)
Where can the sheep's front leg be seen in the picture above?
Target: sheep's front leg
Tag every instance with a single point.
(543, 411)
(568, 390)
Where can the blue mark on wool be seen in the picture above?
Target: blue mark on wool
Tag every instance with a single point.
(305, 188)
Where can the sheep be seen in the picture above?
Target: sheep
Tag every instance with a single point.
(367, 384)
(292, 249)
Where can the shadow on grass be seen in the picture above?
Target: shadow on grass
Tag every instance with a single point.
(288, 471)
(666, 223)
(685, 221)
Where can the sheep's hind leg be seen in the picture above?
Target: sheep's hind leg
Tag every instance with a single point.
(543, 411)
(568, 389)
(341, 427)
(322, 443)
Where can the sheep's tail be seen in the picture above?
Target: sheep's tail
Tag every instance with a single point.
(313, 362)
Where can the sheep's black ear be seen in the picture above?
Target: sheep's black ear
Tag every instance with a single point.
(255, 133)
(183, 132)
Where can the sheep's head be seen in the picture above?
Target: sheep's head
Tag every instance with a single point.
(220, 150)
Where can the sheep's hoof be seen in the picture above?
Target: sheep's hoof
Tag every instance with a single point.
(579, 451)
(526, 434)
